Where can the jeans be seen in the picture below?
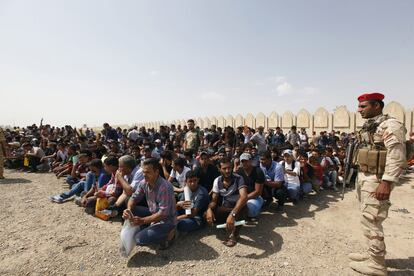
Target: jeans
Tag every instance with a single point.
(81, 186)
(254, 206)
(71, 180)
(330, 176)
(293, 190)
(306, 188)
(190, 224)
(151, 234)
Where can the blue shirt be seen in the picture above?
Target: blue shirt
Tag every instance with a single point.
(103, 178)
(274, 173)
(135, 177)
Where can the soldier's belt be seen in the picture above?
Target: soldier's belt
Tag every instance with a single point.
(372, 161)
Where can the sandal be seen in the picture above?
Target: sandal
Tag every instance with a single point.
(231, 241)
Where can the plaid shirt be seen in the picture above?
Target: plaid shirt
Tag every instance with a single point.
(160, 199)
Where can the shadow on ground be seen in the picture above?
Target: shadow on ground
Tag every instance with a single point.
(402, 266)
(14, 181)
(262, 236)
(187, 248)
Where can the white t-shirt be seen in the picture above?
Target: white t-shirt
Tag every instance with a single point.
(38, 151)
(63, 155)
(290, 179)
(180, 176)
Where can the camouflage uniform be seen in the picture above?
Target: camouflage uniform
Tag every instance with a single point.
(381, 133)
(2, 154)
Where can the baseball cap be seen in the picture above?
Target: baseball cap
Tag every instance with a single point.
(245, 156)
(158, 141)
(287, 151)
(204, 153)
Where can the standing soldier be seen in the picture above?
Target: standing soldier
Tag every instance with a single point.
(380, 158)
(2, 152)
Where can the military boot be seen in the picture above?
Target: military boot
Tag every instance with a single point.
(374, 265)
(358, 257)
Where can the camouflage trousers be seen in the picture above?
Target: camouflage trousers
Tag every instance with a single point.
(373, 213)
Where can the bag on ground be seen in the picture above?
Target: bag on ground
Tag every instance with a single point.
(127, 238)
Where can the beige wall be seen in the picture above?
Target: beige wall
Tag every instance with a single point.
(341, 119)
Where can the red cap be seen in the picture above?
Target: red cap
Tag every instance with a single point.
(371, 97)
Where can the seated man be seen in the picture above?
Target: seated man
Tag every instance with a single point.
(157, 221)
(198, 204)
(80, 169)
(330, 165)
(274, 185)
(66, 168)
(291, 171)
(306, 174)
(228, 203)
(129, 175)
(254, 179)
(178, 173)
(96, 174)
(34, 154)
(206, 172)
(110, 189)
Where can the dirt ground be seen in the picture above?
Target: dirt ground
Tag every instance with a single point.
(38, 237)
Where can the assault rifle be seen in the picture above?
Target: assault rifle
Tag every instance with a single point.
(348, 166)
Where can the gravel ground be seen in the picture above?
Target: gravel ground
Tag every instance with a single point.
(38, 237)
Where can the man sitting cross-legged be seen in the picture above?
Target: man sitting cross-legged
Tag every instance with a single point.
(228, 203)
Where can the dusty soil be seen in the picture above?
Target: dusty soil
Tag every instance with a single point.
(38, 237)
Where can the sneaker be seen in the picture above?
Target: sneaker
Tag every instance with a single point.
(56, 199)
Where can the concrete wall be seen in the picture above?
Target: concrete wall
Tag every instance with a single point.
(322, 120)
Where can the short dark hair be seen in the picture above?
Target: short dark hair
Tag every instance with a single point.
(190, 121)
(188, 152)
(224, 160)
(97, 163)
(88, 153)
(266, 155)
(191, 174)
(167, 154)
(111, 161)
(179, 162)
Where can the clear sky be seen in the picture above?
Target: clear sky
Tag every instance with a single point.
(85, 62)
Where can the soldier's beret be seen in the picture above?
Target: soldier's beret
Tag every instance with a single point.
(371, 97)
